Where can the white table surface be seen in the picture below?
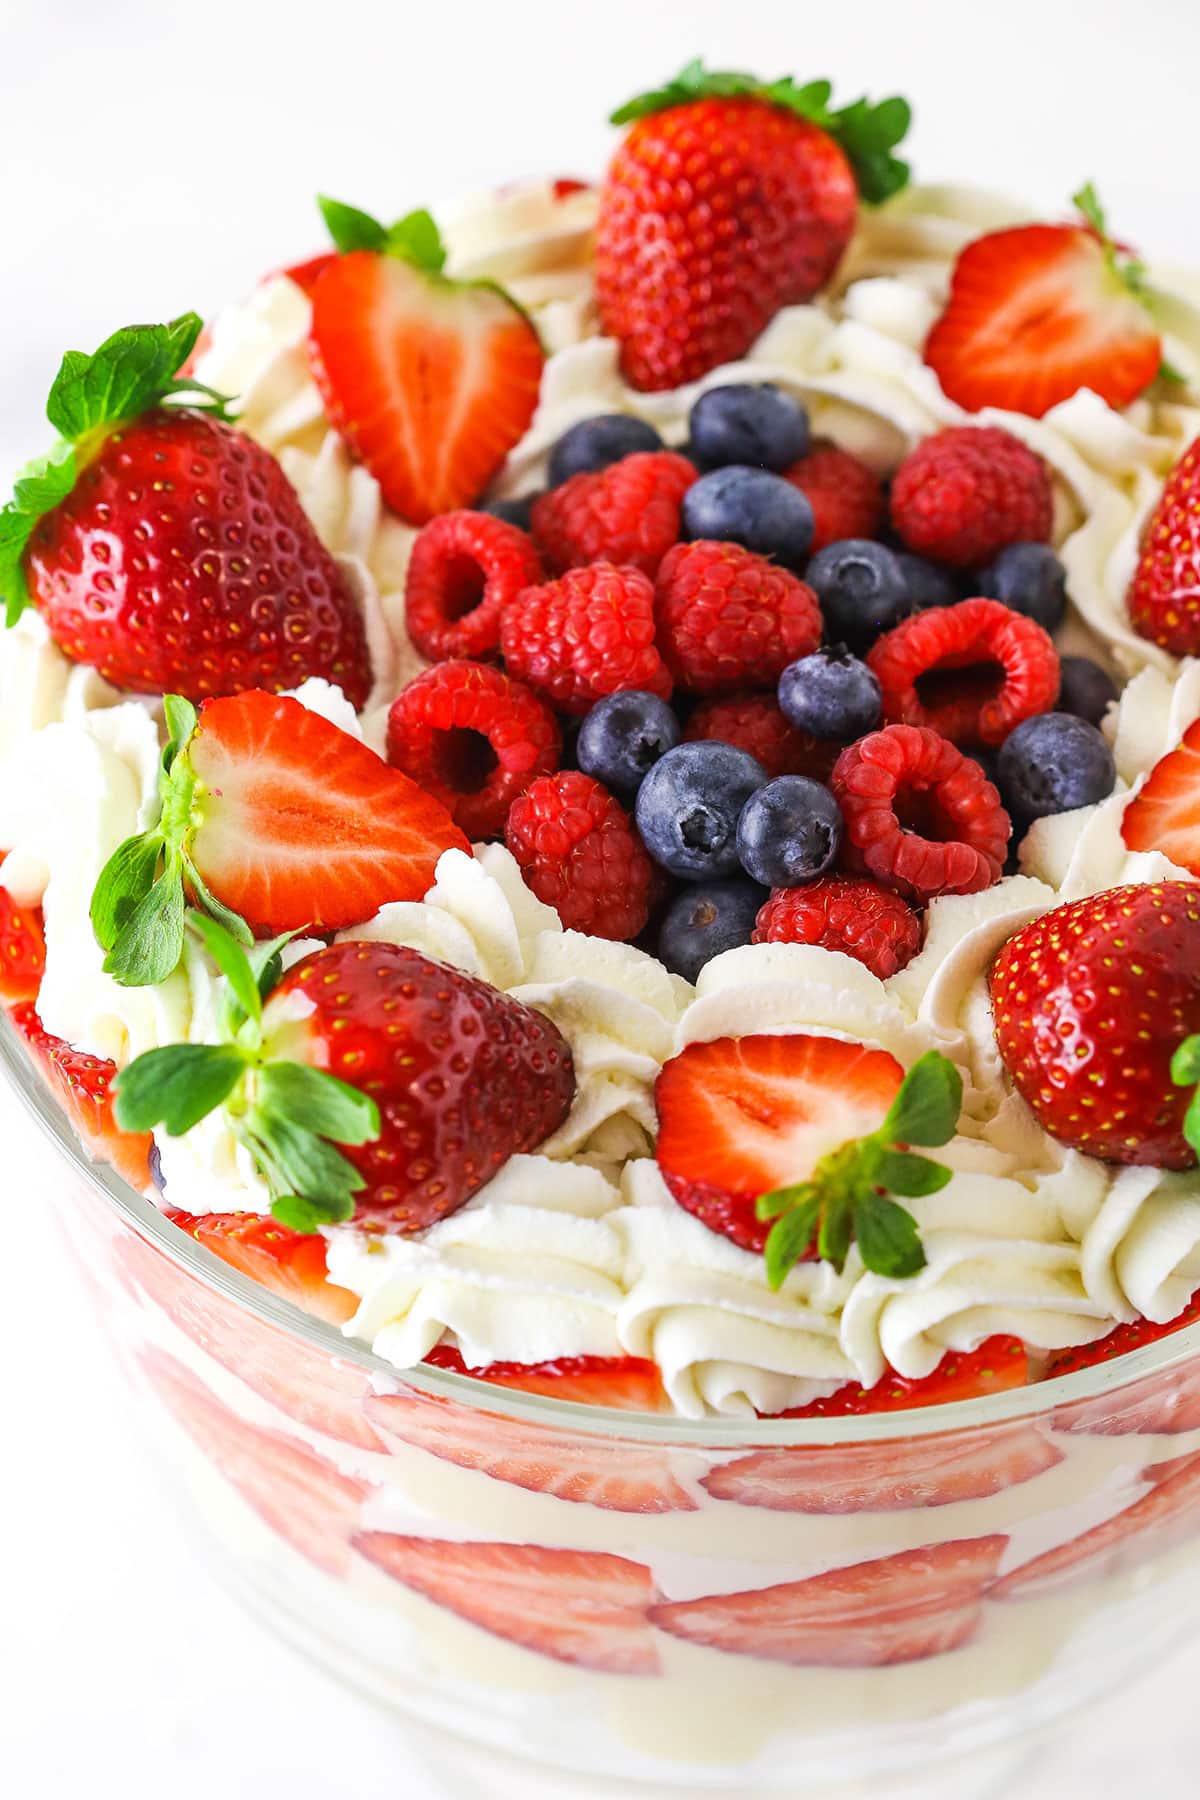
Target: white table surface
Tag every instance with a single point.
(157, 156)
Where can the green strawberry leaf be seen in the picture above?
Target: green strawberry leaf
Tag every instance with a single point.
(216, 909)
(125, 880)
(350, 228)
(231, 959)
(331, 1108)
(913, 1176)
(182, 719)
(130, 372)
(887, 1237)
(790, 1237)
(176, 1087)
(308, 1216)
(296, 1161)
(926, 1109)
(39, 488)
(150, 942)
(415, 238)
(835, 1234)
(267, 961)
(1185, 1063)
(1191, 1122)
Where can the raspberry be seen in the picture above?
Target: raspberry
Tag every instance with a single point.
(860, 918)
(474, 738)
(588, 634)
(464, 567)
(728, 619)
(755, 723)
(846, 497)
(579, 852)
(627, 513)
(970, 672)
(919, 815)
(963, 494)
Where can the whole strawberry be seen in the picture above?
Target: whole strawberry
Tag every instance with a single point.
(166, 548)
(374, 1083)
(1164, 599)
(728, 199)
(1097, 1005)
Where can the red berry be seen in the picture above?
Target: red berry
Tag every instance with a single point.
(859, 918)
(464, 568)
(182, 562)
(1164, 813)
(755, 723)
(920, 816)
(729, 619)
(473, 737)
(845, 495)
(964, 493)
(627, 513)
(1164, 599)
(22, 949)
(290, 1263)
(971, 672)
(82, 1085)
(588, 634)
(1091, 1001)
(579, 852)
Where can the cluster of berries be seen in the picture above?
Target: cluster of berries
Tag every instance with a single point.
(694, 691)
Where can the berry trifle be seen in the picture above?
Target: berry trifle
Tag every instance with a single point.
(601, 806)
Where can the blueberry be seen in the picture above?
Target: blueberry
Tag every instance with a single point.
(705, 919)
(752, 507)
(755, 424)
(1030, 579)
(596, 443)
(861, 588)
(790, 832)
(1086, 690)
(513, 512)
(830, 694)
(623, 736)
(1052, 764)
(928, 583)
(689, 805)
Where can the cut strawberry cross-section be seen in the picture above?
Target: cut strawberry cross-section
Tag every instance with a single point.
(895, 1609)
(578, 1606)
(295, 1491)
(1164, 814)
(629, 1383)
(22, 948)
(290, 1263)
(82, 1085)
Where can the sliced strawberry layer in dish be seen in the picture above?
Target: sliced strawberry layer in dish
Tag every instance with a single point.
(629, 1383)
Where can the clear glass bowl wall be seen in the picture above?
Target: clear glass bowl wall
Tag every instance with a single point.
(788, 1606)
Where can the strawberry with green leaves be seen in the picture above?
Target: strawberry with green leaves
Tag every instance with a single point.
(794, 1143)
(368, 1082)
(430, 381)
(166, 548)
(273, 820)
(728, 199)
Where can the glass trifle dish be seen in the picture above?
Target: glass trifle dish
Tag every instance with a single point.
(601, 821)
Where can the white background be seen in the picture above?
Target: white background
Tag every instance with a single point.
(156, 157)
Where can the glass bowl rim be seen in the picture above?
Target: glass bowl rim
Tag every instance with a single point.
(1036, 1400)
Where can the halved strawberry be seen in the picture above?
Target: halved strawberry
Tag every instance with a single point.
(1158, 1521)
(312, 1388)
(306, 274)
(891, 1476)
(629, 1383)
(578, 1606)
(620, 1477)
(290, 1263)
(739, 1117)
(295, 1491)
(1164, 814)
(999, 1363)
(82, 1086)
(430, 381)
(1040, 311)
(1167, 1403)
(22, 948)
(895, 1609)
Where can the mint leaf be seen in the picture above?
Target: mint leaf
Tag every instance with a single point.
(912, 1176)
(926, 1109)
(150, 942)
(128, 374)
(887, 1238)
(1185, 1063)
(331, 1108)
(125, 880)
(350, 228)
(39, 488)
(308, 1216)
(176, 1087)
(232, 961)
(790, 1238)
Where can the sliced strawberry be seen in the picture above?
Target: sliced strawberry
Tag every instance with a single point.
(431, 382)
(998, 1364)
(1168, 1403)
(620, 1477)
(739, 1117)
(1164, 814)
(578, 1606)
(629, 1383)
(1035, 314)
(891, 1476)
(1157, 1473)
(306, 274)
(22, 948)
(1158, 1521)
(82, 1086)
(314, 1389)
(896, 1609)
(301, 826)
(298, 1494)
(290, 1263)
